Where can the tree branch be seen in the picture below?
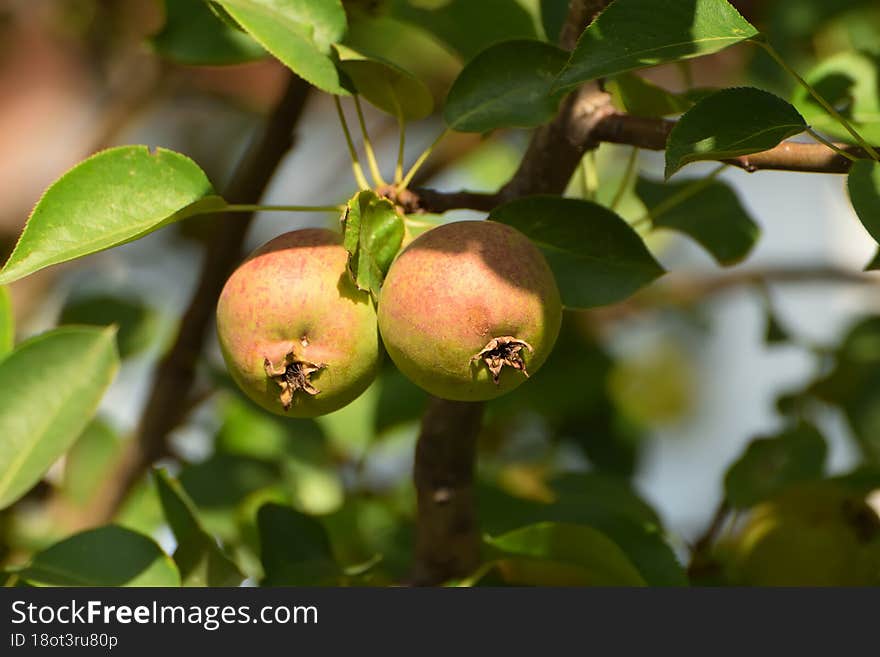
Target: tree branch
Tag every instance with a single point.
(169, 395)
(448, 540)
(593, 121)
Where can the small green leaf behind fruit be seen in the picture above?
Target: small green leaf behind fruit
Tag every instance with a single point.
(106, 556)
(386, 85)
(113, 197)
(633, 34)
(372, 234)
(730, 123)
(506, 86)
(194, 35)
(50, 387)
(638, 97)
(199, 558)
(863, 184)
(300, 33)
(596, 256)
(769, 465)
(713, 217)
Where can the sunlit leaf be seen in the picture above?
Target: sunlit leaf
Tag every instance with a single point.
(300, 33)
(633, 34)
(50, 387)
(730, 123)
(113, 197)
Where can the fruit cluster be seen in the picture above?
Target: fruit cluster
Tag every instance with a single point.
(467, 311)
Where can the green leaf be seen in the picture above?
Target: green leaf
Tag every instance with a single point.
(553, 13)
(7, 323)
(113, 197)
(863, 183)
(373, 233)
(730, 123)
(194, 35)
(874, 263)
(638, 97)
(299, 33)
(506, 86)
(386, 85)
(294, 548)
(850, 81)
(106, 556)
(468, 26)
(199, 558)
(771, 464)
(633, 34)
(596, 256)
(593, 559)
(88, 461)
(603, 502)
(50, 387)
(137, 323)
(713, 216)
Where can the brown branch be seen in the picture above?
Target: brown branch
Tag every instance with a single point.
(169, 395)
(591, 121)
(447, 530)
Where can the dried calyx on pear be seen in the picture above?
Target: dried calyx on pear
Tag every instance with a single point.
(292, 376)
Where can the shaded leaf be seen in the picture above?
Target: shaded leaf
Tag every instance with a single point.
(50, 387)
(638, 97)
(467, 26)
(775, 333)
(553, 13)
(372, 235)
(194, 35)
(386, 85)
(850, 81)
(713, 216)
(294, 548)
(113, 197)
(591, 557)
(769, 465)
(106, 556)
(596, 256)
(633, 34)
(137, 323)
(199, 558)
(506, 86)
(7, 322)
(603, 502)
(299, 33)
(730, 123)
(863, 184)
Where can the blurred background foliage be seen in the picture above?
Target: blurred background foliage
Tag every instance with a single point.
(579, 443)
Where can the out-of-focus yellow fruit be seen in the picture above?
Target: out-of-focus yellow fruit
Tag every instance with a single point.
(817, 534)
(653, 387)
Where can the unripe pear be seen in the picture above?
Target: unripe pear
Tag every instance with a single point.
(817, 534)
(469, 310)
(297, 336)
